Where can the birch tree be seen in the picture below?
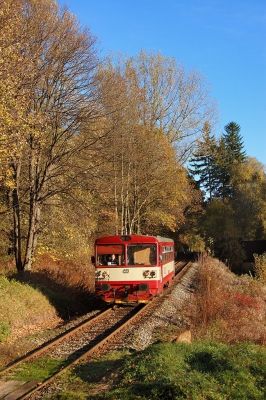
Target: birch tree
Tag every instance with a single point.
(176, 101)
(146, 187)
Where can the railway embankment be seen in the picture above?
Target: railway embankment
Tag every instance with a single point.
(212, 302)
(209, 305)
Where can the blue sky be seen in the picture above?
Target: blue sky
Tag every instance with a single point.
(225, 40)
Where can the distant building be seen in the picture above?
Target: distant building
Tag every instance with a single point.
(252, 247)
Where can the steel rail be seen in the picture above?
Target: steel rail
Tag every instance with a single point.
(47, 346)
(143, 313)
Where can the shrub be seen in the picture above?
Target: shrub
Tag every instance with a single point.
(260, 267)
(227, 307)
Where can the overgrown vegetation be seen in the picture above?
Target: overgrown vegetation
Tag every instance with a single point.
(22, 306)
(84, 158)
(39, 369)
(227, 307)
(202, 370)
(83, 139)
(53, 291)
(260, 267)
(233, 186)
(226, 359)
(82, 144)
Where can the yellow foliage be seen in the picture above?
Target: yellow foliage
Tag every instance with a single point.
(260, 266)
(193, 241)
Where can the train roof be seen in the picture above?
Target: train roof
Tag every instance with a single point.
(133, 239)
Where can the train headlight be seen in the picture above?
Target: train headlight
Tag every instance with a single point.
(143, 287)
(105, 287)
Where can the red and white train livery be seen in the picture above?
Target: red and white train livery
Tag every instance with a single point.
(132, 268)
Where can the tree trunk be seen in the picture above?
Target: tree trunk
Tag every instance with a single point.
(16, 230)
(16, 217)
(33, 231)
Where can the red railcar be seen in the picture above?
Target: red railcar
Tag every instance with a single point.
(132, 268)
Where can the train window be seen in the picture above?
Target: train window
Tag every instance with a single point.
(168, 253)
(141, 254)
(110, 254)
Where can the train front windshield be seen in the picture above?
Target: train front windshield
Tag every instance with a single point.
(141, 254)
(110, 254)
(133, 254)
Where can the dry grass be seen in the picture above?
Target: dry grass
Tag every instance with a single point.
(52, 291)
(226, 307)
(69, 285)
(260, 267)
(22, 307)
(68, 274)
(55, 290)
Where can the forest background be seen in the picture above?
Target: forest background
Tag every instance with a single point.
(93, 147)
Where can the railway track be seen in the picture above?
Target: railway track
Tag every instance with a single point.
(99, 335)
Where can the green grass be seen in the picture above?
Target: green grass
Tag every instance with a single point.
(39, 369)
(206, 370)
(5, 330)
(21, 305)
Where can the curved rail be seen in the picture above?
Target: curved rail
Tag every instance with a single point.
(78, 341)
(103, 336)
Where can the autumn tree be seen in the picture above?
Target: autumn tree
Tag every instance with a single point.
(173, 100)
(249, 199)
(51, 84)
(227, 222)
(13, 102)
(147, 189)
(11, 111)
(145, 183)
(235, 210)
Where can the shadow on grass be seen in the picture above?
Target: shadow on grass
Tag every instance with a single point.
(68, 300)
(206, 362)
(105, 380)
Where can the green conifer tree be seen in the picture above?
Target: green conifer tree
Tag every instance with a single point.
(203, 163)
(230, 154)
(223, 188)
(234, 144)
